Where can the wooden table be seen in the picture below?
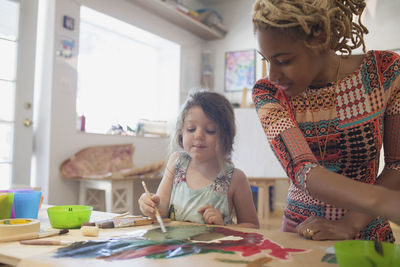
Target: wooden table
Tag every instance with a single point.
(263, 200)
(13, 253)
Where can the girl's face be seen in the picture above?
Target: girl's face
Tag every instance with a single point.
(292, 66)
(200, 135)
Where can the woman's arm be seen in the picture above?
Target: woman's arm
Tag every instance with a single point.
(241, 199)
(352, 222)
(343, 192)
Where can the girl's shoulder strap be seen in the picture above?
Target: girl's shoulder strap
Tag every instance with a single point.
(229, 169)
(182, 164)
(183, 159)
(225, 175)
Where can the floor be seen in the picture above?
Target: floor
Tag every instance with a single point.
(276, 219)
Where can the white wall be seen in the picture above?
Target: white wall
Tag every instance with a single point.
(56, 137)
(382, 21)
(237, 19)
(251, 150)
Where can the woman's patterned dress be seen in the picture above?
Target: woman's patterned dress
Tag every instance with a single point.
(362, 112)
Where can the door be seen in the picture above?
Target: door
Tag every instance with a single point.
(18, 20)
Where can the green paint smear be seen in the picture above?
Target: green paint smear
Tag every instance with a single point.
(329, 258)
(185, 251)
(185, 232)
(232, 261)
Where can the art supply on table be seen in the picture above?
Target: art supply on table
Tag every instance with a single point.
(33, 235)
(378, 247)
(90, 231)
(27, 203)
(13, 191)
(13, 227)
(47, 242)
(124, 220)
(6, 204)
(354, 253)
(158, 216)
(171, 212)
(69, 216)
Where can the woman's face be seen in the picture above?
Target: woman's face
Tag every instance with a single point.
(292, 66)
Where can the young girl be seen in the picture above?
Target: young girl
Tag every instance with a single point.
(327, 115)
(201, 182)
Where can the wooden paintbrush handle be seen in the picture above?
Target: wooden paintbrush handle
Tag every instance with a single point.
(25, 236)
(46, 242)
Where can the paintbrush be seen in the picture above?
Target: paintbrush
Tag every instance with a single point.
(378, 247)
(158, 216)
(47, 242)
(34, 235)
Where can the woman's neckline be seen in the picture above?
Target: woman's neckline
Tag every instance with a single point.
(347, 77)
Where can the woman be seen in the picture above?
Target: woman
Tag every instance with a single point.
(326, 113)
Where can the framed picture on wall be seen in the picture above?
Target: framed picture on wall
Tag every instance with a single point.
(240, 70)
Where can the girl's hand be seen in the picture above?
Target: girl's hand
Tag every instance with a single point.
(211, 215)
(147, 204)
(317, 228)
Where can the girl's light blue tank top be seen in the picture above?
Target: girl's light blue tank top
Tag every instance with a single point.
(187, 201)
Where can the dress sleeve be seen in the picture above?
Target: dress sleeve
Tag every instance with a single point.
(283, 134)
(390, 66)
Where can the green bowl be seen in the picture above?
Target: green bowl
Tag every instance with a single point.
(364, 253)
(69, 217)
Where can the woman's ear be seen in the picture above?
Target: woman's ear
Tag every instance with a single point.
(318, 42)
(319, 39)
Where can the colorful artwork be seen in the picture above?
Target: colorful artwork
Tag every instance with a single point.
(240, 70)
(179, 241)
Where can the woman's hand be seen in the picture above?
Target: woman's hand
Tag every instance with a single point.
(317, 228)
(211, 215)
(147, 204)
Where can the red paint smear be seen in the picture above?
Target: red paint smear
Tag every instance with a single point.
(252, 243)
(276, 250)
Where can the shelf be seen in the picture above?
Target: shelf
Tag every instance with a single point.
(183, 20)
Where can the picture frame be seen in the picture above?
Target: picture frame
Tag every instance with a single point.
(240, 70)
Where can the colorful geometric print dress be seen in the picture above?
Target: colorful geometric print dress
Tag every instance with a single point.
(187, 201)
(363, 111)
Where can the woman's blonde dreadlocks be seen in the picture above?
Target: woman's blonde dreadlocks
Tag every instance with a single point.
(309, 18)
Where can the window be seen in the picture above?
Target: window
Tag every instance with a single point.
(125, 74)
(9, 14)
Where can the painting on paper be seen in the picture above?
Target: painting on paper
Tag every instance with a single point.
(180, 241)
(240, 70)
